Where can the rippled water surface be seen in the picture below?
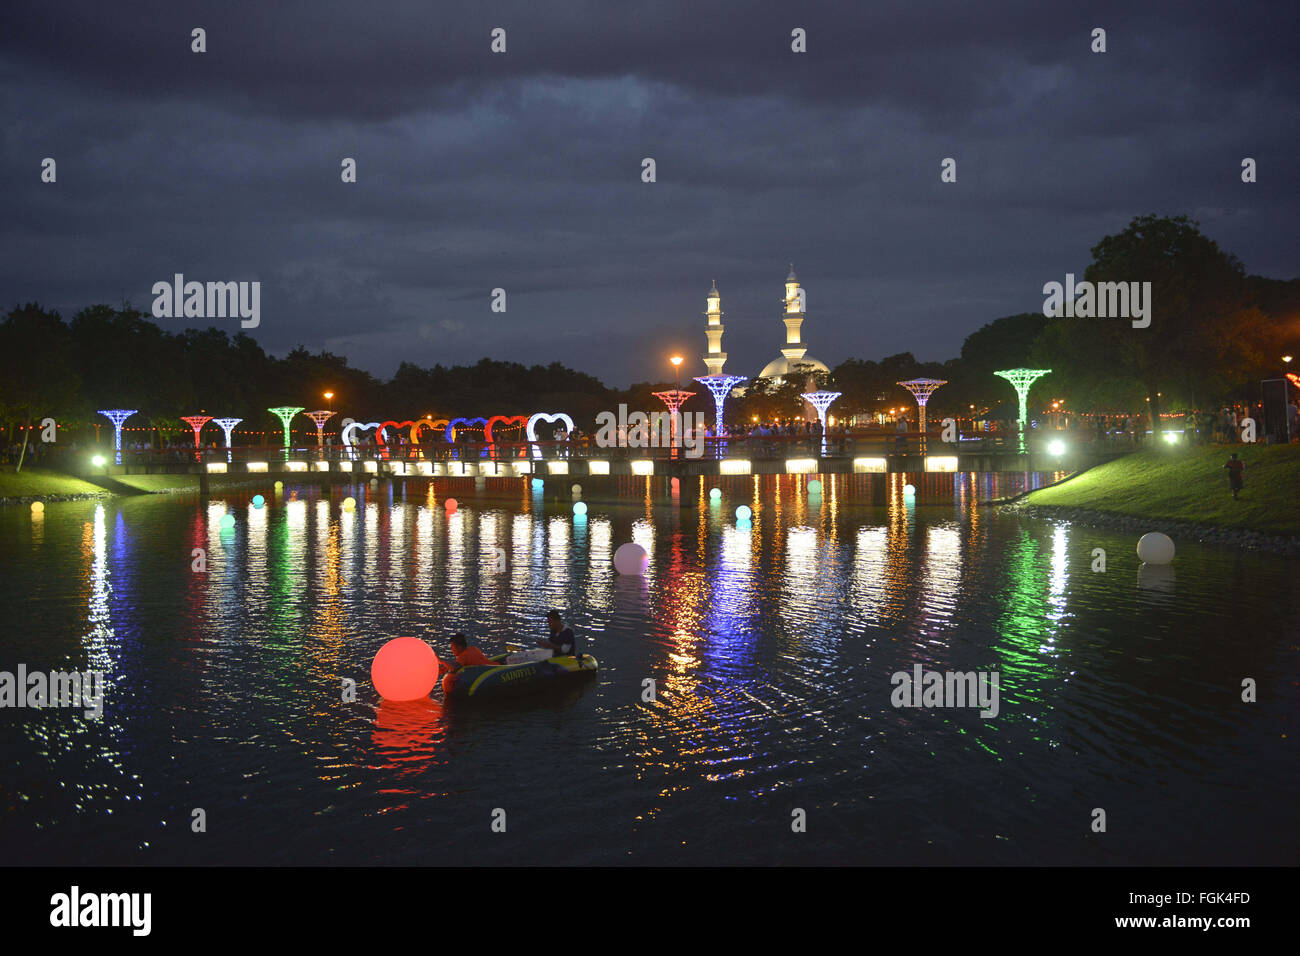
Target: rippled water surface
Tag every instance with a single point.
(771, 648)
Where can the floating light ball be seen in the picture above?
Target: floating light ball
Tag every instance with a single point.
(580, 508)
(227, 522)
(279, 486)
(451, 505)
(743, 513)
(576, 489)
(374, 481)
(631, 559)
(38, 507)
(349, 503)
(909, 491)
(1155, 548)
(405, 668)
(814, 487)
(258, 501)
(675, 484)
(537, 484)
(715, 493)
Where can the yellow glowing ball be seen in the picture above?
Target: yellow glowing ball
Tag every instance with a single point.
(349, 503)
(406, 668)
(38, 507)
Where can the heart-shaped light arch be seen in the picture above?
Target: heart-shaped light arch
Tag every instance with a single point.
(545, 417)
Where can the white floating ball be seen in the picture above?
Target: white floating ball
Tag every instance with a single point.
(909, 491)
(631, 559)
(580, 508)
(1155, 548)
(743, 513)
(715, 493)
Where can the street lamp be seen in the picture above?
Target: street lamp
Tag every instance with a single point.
(677, 365)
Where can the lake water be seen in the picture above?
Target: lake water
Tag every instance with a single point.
(771, 649)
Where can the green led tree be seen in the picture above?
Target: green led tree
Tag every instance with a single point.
(1022, 379)
(285, 413)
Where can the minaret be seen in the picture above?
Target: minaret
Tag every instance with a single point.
(794, 315)
(716, 358)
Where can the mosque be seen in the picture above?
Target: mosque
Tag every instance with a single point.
(793, 355)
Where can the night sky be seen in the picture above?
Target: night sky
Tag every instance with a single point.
(522, 170)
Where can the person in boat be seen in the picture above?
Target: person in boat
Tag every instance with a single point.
(466, 656)
(561, 642)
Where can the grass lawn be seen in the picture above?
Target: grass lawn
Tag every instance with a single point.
(1191, 484)
(35, 482)
(159, 482)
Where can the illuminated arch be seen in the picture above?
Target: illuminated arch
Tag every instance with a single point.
(545, 417)
(467, 422)
(520, 420)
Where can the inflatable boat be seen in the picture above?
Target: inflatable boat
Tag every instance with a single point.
(501, 679)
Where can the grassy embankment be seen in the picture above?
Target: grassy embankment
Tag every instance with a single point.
(1190, 484)
(38, 482)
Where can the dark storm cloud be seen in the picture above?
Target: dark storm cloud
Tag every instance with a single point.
(522, 171)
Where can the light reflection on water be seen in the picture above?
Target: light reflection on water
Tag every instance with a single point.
(770, 649)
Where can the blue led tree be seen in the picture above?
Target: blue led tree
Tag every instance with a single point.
(117, 416)
(821, 401)
(720, 386)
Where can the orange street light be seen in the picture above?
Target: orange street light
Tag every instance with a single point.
(1286, 358)
(677, 375)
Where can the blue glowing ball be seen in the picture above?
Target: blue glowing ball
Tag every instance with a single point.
(537, 484)
(909, 491)
(580, 508)
(258, 501)
(743, 513)
(715, 493)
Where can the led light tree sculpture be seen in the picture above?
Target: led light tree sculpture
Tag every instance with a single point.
(674, 399)
(1022, 379)
(196, 422)
(720, 386)
(320, 418)
(227, 425)
(285, 413)
(922, 389)
(117, 416)
(821, 401)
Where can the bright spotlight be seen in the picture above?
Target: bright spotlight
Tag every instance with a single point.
(1171, 437)
(1056, 448)
(98, 461)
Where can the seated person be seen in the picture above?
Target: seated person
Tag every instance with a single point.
(561, 641)
(466, 656)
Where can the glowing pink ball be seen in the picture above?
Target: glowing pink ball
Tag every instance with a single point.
(404, 669)
(451, 505)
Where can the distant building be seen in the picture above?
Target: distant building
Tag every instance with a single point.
(795, 354)
(715, 358)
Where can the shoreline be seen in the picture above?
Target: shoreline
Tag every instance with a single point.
(1187, 530)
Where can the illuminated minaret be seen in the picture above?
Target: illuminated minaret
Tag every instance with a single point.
(794, 315)
(716, 358)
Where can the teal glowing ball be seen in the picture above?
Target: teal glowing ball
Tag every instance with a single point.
(715, 493)
(580, 508)
(258, 501)
(909, 491)
(537, 484)
(227, 522)
(814, 487)
(743, 513)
